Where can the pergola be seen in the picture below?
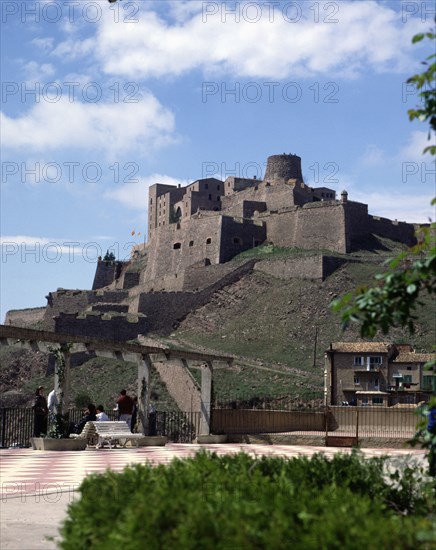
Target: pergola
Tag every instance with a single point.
(143, 356)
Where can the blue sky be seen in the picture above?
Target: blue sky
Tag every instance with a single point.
(100, 101)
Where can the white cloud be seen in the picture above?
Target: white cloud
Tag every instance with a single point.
(38, 72)
(110, 128)
(374, 156)
(367, 35)
(396, 206)
(44, 44)
(15, 244)
(412, 151)
(135, 195)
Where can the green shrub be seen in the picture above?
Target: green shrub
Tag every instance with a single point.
(240, 502)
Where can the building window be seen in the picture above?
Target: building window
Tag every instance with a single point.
(218, 198)
(356, 381)
(210, 197)
(177, 246)
(237, 240)
(228, 184)
(206, 186)
(364, 401)
(218, 187)
(407, 379)
(151, 201)
(208, 240)
(377, 400)
(359, 360)
(409, 368)
(191, 243)
(427, 382)
(376, 384)
(377, 360)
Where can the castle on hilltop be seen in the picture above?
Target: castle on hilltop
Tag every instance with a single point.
(210, 221)
(194, 231)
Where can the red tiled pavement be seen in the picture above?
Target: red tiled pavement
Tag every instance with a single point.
(28, 472)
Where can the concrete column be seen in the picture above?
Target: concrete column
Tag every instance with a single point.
(206, 398)
(62, 387)
(144, 369)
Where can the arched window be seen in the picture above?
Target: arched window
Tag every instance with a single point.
(208, 240)
(177, 246)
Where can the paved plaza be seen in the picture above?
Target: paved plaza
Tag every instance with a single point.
(37, 486)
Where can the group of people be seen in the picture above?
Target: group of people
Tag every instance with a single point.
(126, 406)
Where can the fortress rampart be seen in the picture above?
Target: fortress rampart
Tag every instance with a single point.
(194, 231)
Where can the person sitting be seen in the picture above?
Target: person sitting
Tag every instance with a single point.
(90, 415)
(101, 415)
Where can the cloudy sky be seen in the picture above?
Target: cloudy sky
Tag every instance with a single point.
(100, 101)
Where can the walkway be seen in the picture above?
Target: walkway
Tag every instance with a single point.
(37, 486)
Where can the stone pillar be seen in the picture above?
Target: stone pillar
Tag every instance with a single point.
(144, 369)
(62, 383)
(206, 398)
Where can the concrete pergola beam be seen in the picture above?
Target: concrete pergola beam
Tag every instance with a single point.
(143, 356)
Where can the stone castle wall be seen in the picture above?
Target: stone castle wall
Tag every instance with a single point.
(75, 301)
(176, 246)
(120, 327)
(25, 318)
(397, 231)
(165, 309)
(106, 273)
(283, 167)
(316, 267)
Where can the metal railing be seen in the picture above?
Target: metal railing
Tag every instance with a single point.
(16, 425)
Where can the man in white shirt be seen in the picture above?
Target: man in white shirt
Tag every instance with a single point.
(52, 402)
(101, 415)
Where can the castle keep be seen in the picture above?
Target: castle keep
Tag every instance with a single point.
(211, 221)
(194, 231)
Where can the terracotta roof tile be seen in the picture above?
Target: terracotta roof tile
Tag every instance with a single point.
(414, 357)
(361, 347)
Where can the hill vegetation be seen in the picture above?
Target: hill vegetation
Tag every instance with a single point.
(277, 329)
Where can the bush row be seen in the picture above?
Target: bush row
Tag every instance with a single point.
(240, 502)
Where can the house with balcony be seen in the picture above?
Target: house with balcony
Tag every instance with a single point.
(376, 373)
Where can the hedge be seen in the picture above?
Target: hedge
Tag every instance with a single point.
(240, 502)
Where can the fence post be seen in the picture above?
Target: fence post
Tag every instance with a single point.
(3, 442)
(357, 425)
(326, 421)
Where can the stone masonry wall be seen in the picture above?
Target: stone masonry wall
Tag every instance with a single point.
(24, 318)
(190, 240)
(106, 273)
(75, 301)
(239, 235)
(316, 267)
(119, 327)
(180, 385)
(274, 196)
(164, 310)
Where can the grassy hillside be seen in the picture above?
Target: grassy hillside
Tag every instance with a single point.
(277, 329)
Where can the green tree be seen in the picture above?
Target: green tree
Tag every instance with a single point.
(109, 257)
(396, 294)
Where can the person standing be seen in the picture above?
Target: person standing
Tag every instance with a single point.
(125, 407)
(40, 413)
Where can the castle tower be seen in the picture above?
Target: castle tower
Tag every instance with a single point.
(283, 167)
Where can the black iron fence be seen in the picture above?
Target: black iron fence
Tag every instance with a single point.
(16, 425)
